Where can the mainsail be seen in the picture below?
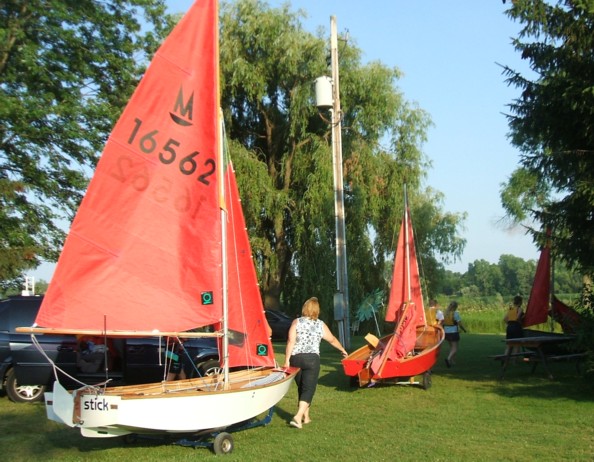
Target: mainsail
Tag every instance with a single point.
(144, 251)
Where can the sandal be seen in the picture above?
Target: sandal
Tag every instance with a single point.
(294, 423)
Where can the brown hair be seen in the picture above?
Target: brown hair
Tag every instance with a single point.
(453, 306)
(311, 308)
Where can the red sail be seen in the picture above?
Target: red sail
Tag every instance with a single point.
(405, 305)
(249, 343)
(537, 308)
(567, 317)
(406, 281)
(143, 252)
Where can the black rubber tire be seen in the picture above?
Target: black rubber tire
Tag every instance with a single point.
(427, 380)
(223, 444)
(22, 393)
(210, 367)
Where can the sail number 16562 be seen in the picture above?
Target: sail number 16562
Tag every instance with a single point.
(167, 154)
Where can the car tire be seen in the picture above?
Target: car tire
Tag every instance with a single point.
(22, 393)
(209, 367)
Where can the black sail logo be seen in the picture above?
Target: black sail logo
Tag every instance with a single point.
(182, 110)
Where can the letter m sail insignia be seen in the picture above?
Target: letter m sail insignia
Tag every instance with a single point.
(182, 111)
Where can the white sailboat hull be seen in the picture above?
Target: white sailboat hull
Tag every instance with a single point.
(185, 406)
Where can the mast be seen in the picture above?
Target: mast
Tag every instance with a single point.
(224, 266)
(407, 246)
(551, 307)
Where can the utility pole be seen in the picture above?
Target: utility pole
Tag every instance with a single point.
(341, 298)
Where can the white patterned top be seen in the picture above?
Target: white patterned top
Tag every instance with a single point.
(309, 336)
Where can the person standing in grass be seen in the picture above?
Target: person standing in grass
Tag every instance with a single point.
(303, 351)
(452, 323)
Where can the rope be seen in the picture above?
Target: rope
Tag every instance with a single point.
(57, 369)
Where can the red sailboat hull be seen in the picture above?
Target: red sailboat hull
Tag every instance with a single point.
(425, 355)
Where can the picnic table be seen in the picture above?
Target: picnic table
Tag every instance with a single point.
(535, 350)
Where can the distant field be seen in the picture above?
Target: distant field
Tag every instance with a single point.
(467, 415)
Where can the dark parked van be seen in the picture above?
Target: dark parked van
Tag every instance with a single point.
(25, 373)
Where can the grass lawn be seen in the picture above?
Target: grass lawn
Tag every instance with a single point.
(468, 414)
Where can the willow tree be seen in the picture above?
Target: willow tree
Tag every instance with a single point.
(66, 71)
(282, 152)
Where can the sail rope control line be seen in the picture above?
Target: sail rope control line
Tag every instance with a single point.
(169, 358)
(57, 369)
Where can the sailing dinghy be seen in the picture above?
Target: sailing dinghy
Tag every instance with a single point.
(413, 348)
(159, 247)
(544, 307)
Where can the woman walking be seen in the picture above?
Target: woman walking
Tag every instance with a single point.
(452, 323)
(303, 351)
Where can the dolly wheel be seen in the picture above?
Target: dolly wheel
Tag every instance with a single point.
(427, 380)
(223, 443)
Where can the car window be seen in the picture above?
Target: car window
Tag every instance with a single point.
(18, 312)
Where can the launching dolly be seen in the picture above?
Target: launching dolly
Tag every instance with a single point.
(219, 441)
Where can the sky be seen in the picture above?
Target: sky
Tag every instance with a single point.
(450, 54)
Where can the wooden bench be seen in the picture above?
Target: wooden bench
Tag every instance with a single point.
(534, 358)
(577, 357)
(525, 355)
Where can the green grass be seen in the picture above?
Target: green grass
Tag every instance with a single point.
(468, 414)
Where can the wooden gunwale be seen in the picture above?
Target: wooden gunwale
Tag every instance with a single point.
(206, 385)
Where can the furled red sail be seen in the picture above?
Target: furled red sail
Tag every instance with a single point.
(406, 281)
(405, 304)
(143, 252)
(567, 317)
(537, 308)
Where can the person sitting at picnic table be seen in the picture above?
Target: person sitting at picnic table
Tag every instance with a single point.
(513, 320)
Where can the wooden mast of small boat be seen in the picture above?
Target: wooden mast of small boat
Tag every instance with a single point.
(225, 323)
(407, 246)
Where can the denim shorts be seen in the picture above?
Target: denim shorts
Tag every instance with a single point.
(453, 337)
